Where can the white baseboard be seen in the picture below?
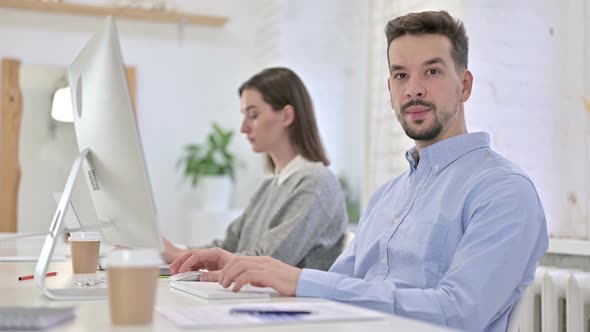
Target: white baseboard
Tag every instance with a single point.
(569, 247)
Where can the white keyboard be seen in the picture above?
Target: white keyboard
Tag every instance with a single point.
(214, 291)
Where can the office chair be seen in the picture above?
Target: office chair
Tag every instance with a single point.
(514, 321)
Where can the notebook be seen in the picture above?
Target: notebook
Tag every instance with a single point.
(34, 318)
(214, 291)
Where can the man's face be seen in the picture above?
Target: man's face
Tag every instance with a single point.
(426, 90)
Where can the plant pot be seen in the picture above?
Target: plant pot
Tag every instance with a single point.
(202, 227)
(212, 193)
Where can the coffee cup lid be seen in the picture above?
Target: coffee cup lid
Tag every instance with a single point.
(85, 236)
(133, 258)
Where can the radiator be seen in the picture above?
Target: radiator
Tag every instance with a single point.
(558, 301)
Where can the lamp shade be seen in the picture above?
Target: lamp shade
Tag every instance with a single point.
(61, 108)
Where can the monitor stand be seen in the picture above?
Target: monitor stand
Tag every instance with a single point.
(52, 238)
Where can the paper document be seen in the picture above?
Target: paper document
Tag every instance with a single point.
(29, 258)
(21, 247)
(252, 314)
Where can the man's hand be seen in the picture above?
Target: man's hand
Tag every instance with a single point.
(210, 259)
(260, 272)
(171, 252)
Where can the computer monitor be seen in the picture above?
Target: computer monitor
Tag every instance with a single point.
(105, 123)
(111, 156)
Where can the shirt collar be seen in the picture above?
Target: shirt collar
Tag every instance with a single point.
(441, 154)
(295, 165)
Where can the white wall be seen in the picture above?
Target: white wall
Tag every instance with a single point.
(183, 86)
(325, 43)
(530, 68)
(46, 147)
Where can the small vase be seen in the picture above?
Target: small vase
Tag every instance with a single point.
(212, 193)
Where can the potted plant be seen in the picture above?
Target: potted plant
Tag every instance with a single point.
(209, 168)
(353, 206)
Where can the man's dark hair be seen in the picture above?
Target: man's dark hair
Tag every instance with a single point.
(432, 22)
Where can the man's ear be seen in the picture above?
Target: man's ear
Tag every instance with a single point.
(288, 115)
(467, 85)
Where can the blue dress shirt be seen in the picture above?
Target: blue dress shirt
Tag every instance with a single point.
(454, 240)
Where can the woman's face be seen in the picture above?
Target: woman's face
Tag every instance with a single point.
(263, 126)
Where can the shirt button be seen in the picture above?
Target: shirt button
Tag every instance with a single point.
(436, 167)
(383, 260)
(396, 220)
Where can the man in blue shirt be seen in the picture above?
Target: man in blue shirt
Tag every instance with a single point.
(454, 240)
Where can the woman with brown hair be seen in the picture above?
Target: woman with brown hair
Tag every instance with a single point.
(299, 215)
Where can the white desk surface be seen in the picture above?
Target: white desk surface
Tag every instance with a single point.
(94, 315)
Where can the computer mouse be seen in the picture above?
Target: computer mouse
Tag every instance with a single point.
(186, 276)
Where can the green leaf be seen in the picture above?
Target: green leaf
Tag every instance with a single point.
(210, 158)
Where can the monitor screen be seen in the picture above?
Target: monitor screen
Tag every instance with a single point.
(105, 123)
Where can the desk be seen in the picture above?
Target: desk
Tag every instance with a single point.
(94, 315)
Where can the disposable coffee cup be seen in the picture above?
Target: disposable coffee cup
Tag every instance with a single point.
(85, 247)
(132, 278)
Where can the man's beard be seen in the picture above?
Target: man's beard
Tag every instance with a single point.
(425, 134)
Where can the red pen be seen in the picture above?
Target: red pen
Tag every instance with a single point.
(49, 274)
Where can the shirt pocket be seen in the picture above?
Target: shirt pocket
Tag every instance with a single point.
(424, 241)
(418, 253)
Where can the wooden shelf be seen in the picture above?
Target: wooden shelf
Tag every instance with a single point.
(122, 12)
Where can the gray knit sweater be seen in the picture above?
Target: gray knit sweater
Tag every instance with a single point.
(301, 222)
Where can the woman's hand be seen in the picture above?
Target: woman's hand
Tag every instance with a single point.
(171, 252)
(210, 259)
